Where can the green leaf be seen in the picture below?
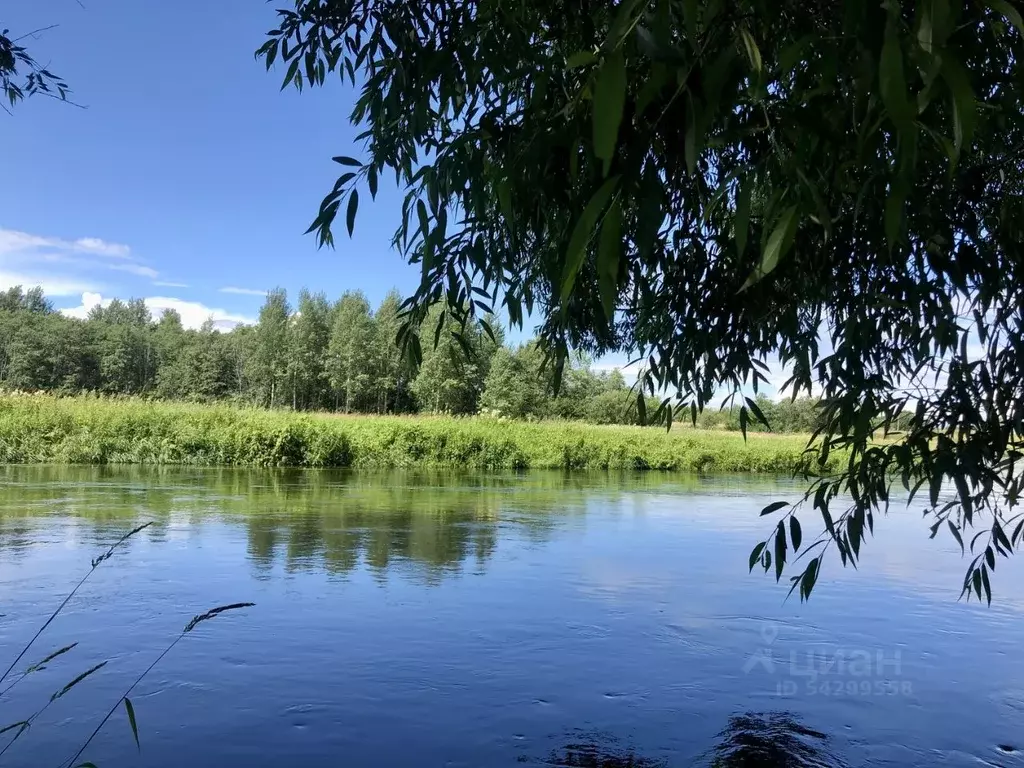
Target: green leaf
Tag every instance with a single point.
(131, 721)
(609, 102)
(293, 68)
(741, 222)
(756, 410)
(829, 525)
(778, 244)
(965, 107)
(895, 203)
(1000, 537)
(581, 235)
(780, 549)
(421, 212)
(344, 160)
(371, 180)
(753, 52)
(608, 254)
(691, 9)
(438, 328)
(793, 53)
(621, 25)
(271, 54)
(580, 59)
(1007, 10)
(690, 140)
(641, 409)
(775, 506)
(489, 331)
(795, 533)
(505, 201)
(353, 206)
(810, 578)
(755, 554)
(892, 83)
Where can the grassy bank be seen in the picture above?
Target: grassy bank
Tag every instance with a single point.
(44, 429)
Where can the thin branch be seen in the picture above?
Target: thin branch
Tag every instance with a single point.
(35, 32)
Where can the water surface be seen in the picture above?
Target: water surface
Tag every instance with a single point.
(489, 620)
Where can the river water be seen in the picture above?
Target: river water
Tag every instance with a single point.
(424, 619)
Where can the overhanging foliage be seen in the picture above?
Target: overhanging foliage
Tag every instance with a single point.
(709, 183)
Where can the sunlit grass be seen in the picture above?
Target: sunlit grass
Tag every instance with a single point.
(88, 430)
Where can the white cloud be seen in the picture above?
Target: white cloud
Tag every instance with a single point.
(135, 269)
(52, 285)
(193, 314)
(169, 284)
(13, 241)
(242, 291)
(63, 267)
(101, 247)
(89, 301)
(629, 372)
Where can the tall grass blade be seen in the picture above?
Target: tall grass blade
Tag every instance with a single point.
(95, 562)
(22, 724)
(77, 680)
(214, 612)
(124, 697)
(39, 665)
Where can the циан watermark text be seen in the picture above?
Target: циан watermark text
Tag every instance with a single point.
(829, 670)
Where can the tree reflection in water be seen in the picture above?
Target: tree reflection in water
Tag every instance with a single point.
(771, 740)
(598, 750)
(750, 740)
(429, 524)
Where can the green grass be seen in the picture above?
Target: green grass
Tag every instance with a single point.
(86, 430)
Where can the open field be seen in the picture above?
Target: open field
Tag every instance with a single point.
(87, 430)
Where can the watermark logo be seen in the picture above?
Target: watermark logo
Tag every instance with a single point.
(828, 670)
(763, 657)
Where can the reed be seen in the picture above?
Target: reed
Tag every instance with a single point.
(90, 430)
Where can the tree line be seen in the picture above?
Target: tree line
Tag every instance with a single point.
(318, 355)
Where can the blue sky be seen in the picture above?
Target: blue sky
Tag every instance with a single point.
(190, 177)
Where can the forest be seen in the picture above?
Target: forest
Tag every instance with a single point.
(318, 355)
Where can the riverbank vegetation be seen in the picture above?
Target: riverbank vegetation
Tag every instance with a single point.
(320, 356)
(43, 428)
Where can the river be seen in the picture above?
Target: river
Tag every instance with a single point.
(429, 619)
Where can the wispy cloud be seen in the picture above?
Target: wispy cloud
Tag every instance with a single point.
(64, 267)
(169, 284)
(13, 241)
(193, 314)
(242, 291)
(134, 269)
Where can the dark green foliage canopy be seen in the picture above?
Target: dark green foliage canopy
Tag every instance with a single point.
(710, 184)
